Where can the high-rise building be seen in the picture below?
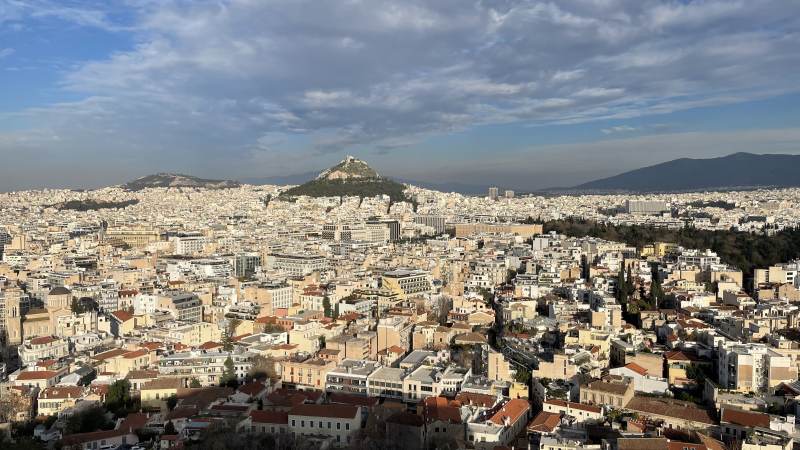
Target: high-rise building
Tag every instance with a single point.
(435, 221)
(493, 193)
(509, 193)
(245, 264)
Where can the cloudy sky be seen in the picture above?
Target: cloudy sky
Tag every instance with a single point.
(524, 94)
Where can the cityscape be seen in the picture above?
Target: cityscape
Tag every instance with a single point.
(399, 225)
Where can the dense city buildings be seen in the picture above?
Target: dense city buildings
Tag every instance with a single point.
(444, 321)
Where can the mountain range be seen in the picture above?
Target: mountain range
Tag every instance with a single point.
(738, 170)
(355, 177)
(176, 180)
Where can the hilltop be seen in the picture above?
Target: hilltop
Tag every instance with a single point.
(352, 177)
(166, 180)
(737, 170)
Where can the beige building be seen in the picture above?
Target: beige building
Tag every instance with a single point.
(308, 373)
(498, 367)
(56, 399)
(612, 391)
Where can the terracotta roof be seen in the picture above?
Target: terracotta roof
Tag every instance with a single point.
(440, 408)
(209, 345)
(276, 417)
(332, 411)
(109, 354)
(135, 354)
(253, 388)
(680, 355)
(471, 398)
(745, 418)
(636, 368)
(122, 315)
(54, 392)
(544, 422)
(511, 411)
(670, 408)
(36, 375)
(43, 340)
(659, 443)
(152, 345)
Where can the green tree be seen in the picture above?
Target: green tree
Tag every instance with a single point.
(229, 374)
(194, 383)
(172, 402)
(118, 398)
(230, 333)
(326, 306)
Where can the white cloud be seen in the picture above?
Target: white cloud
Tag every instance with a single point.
(213, 78)
(619, 129)
(4, 52)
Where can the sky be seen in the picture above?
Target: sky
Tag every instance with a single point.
(522, 94)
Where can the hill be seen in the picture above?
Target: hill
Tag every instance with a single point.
(733, 171)
(351, 178)
(165, 180)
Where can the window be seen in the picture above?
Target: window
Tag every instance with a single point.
(338, 425)
(347, 426)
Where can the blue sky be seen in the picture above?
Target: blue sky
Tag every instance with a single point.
(524, 94)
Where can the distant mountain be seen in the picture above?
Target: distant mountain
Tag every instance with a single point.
(164, 180)
(351, 177)
(733, 171)
(300, 178)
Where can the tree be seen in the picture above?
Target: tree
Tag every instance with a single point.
(194, 383)
(326, 306)
(230, 332)
(172, 402)
(118, 398)
(262, 367)
(321, 341)
(522, 376)
(169, 428)
(229, 374)
(622, 287)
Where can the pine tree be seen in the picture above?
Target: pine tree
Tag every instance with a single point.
(326, 306)
(229, 374)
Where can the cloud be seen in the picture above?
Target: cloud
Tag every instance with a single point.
(618, 129)
(4, 52)
(211, 79)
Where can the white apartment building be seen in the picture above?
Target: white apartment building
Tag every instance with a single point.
(207, 366)
(752, 367)
(189, 243)
(41, 348)
(297, 264)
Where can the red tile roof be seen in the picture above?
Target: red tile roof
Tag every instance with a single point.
(544, 422)
(511, 411)
(331, 411)
(745, 418)
(36, 375)
(276, 417)
(122, 315)
(636, 368)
